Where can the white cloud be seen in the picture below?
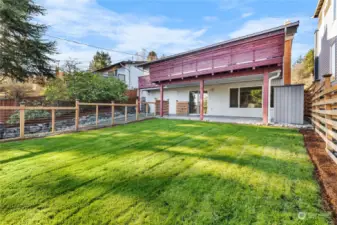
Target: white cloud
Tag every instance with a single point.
(87, 21)
(210, 18)
(302, 38)
(234, 4)
(245, 15)
(252, 26)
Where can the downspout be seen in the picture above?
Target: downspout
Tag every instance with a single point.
(269, 88)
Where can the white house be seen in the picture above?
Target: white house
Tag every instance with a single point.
(126, 71)
(326, 39)
(234, 78)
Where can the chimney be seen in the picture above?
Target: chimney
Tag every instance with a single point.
(287, 56)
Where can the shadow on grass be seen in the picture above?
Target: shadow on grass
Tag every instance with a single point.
(282, 139)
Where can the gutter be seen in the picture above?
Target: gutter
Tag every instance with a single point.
(269, 88)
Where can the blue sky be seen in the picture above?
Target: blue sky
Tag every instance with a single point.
(167, 26)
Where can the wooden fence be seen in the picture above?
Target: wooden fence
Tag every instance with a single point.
(324, 112)
(22, 109)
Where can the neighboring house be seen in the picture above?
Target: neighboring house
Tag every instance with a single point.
(126, 71)
(326, 39)
(230, 78)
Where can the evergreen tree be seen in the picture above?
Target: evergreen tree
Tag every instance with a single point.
(23, 52)
(101, 60)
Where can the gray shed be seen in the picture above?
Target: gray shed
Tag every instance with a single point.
(289, 104)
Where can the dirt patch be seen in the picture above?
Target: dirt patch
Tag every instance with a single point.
(326, 169)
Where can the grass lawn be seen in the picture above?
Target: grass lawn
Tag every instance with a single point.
(161, 172)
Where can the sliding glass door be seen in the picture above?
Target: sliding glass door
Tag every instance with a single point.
(194, 102)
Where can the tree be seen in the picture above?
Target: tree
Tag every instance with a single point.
(101, 60)
(299, 60)
(309, 62)
(152, 56)
(23, 52)
(86, 86)
(16, 90)
(302, 73)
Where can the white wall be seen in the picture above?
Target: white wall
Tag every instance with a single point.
(325, 37)
(132, 80)
(218, 99)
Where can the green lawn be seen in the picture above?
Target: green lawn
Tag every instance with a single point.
(161, 172)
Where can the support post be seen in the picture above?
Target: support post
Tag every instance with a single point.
(146, 109)
(327, 85)
(96, 115)
(112, 113)
(161, 100)
(77, 115)
(137, 110)
(265, 96)
(53, 120)
(126, 114)
(202, 100)
(22, 120)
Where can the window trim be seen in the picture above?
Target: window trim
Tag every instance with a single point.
(239, 95)
(229, 102)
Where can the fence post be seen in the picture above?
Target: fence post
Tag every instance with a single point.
(96, 115)
(315, 88)
(22, 120)
(137, 111)
(327, 85)
(77, 115)
(126, 114)
(146, 109)
(53, 120)
(112, 113)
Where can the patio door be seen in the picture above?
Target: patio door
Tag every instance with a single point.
(194, 102)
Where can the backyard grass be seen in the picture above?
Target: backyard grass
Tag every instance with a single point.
(161, 172)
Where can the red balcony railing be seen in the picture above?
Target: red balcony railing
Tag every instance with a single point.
(256, 52)
(145, 82)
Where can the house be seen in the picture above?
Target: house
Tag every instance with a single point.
(326, 39)
(234, 78)
(126, 71)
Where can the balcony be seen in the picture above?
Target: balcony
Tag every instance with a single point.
(145, 82)
(251, 53)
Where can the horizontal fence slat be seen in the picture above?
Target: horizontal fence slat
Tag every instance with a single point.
(326, 102)
(326, 112)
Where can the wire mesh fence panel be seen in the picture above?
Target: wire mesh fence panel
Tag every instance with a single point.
(119, 117)
(9, 124)
(131, 113)
(104, 116)
(87, 116)
(37, 122)
(64, 120)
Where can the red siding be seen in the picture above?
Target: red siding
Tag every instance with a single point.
(259, 51)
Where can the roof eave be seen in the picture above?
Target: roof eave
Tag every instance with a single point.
(318, 8)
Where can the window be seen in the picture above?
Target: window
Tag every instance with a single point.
(121, 77)
(333, 60)
(251, 97)
(112, 73)
(272, 97)
(234, 98)
(245, 97)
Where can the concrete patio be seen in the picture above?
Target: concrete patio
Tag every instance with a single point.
(221, 119)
